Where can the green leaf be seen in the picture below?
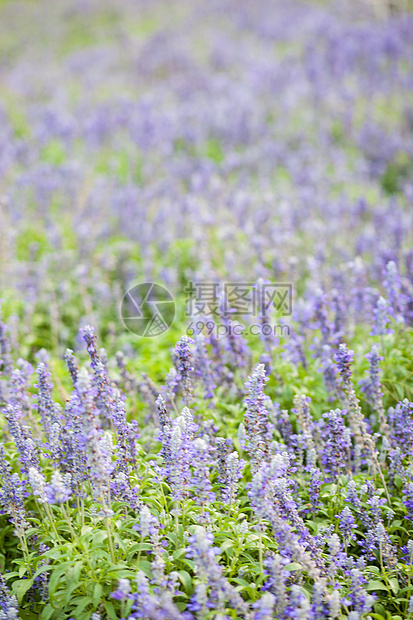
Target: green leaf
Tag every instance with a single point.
(20, 587)
(179, 553)
(97, 594)
(110, 610)
(374, 584)
(22, 571)
(47, 612)
(394, 584)
(83, 602)
(56, 576)
(398, 481)
(186, 580)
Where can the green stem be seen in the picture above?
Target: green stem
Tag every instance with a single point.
(69, 522)
(112, 550)
(50, 516)
(260, 550)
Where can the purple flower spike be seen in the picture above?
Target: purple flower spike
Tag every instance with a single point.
(57, 492)
(185, 369)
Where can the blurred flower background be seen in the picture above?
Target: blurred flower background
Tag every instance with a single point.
(207, 478)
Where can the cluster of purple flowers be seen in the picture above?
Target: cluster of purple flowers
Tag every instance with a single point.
(257, 426)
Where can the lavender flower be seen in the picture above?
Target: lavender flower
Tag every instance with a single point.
(347, 525)
(128, 381)
(222, 451)
(392, 285)
(38, 482)
(320, 316)
(147, 522)
(357, 598)
(401, 422)
(257, 427)
(123, 590)
(105, 396)
(184, 367)
(12, 496)
(98, 459)
(163, 418)
(6, 365)
(218, 590)
(72, 365)
(408, 499)
(381, 319)
(57, 492)
(146, 606)
(22, 439)
(200, 475)
(330, 372)
(344, 359)
(265, 607)
(314, 487)
(335, 452)
(276, 582)
(177, 471)
(202, 366)
(396, 465)
(371, 386)
(9, 609)
(46, 406)
(233, 473)
(171, 384)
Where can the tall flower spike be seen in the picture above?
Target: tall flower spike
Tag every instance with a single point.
(336, 448)
(45, 405)
(128, 383)
(320, 316)
(97, 459)
(184, 367)
(233, 473)
(6, 364)
(218, 591)
(276, 581)
(344, 358)
(88, 333)
(22, 439)
(222, 451)
(381, 319)
(177, 472)
(371, 387)
(11, 496)
(264, 607)
(362, 437)
(257, 427)
(19, 388)
(392, 285)
(401, 421)
(57, 492)
(38, 482)
(105, 396)
(72, 365)
(330, 372)
(200, 476)
(163, 418)
(202, 367)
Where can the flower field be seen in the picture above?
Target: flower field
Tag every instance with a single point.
(247, 454)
